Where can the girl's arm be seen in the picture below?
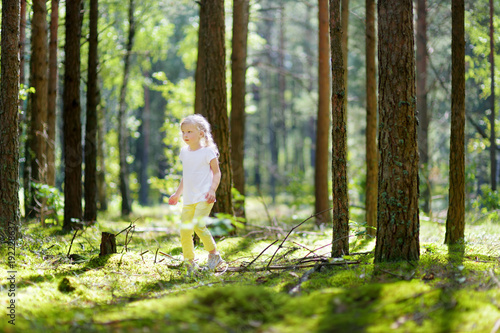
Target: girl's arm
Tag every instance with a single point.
(174, 199)
(214, 166)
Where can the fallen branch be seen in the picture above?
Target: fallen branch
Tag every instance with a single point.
(296, 289)
(71, 244)
(260, 254)
(260, 269)
(291, 230)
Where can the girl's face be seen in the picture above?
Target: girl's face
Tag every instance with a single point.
(191, 135)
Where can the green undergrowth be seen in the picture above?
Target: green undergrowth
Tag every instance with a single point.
(145, 288)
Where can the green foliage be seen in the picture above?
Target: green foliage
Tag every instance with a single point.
(50, 200)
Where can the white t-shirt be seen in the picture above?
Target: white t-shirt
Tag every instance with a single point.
(196, 173)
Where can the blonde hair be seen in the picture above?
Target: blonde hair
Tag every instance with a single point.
(203, 126)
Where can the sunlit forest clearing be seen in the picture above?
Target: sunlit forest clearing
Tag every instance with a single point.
(357, 147)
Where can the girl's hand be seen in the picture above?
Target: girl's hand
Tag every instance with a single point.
(173, 200)
(210, 196)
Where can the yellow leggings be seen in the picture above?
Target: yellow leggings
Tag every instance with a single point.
(193, 218)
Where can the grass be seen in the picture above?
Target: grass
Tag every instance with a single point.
(141, 290)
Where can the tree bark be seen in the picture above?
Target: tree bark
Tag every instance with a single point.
(238, 93)
(71, 120)
(52, 94)
(101, 158)
(455, 221)
(423, 116)
(200, 63)
(493, 153)
(340, 211)
(39, 81)
(215, 98)
(344, 19)
(398, 212)
(90, 185)
(126, 207)
(371, 120)
(9, 123)
(108, 244)
(322, 156)
(143, 151)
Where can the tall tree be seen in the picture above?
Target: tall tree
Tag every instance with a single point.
(37, 135)
(9, 113)
(101, 155)
(200, 62)
(215, 97)
(52, 94)
(423, 116)
(72, 131)
(493, 153)
(90, 185)
(126, 207)
(241, 15)
(371, 120)
(398, 220)
(322, 201)
(455, 221)
(143, 146)
(340, 212)
(344, 18)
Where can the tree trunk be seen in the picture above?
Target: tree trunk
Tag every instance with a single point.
(215, 98)
(52, 94)
(108, 244)
(340, 212)
(90, 185)
(321, 194)
(345, 44)
(143, 151)
(126, 207)
(9, 123)
(39, 81)
(200, 63)
(101, 158)
(238, 92)
(371, 120)
(493, 151)
(423, 117)
(455, 221)
(398, 219)
(72, 127)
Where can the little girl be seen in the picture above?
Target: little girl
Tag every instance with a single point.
(200, 179)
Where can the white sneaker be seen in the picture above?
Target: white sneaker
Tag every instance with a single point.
(192, 267)
(214, 260)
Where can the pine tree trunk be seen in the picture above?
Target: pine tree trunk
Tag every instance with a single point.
(143, 151)
(90, 185)
(126, 207)
(455, 221)
(201, 63)
(238, 92)
(9, 123)
(340, 211)
(493, 151)
(101, 158)
(423, 117)
(322, 156)
(52, 94)
(215, 98)
(371, 120)
(345, 44)
(398, 219)
(39, 81)
(71, 120)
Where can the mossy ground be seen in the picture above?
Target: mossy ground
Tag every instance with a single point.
(139, 291)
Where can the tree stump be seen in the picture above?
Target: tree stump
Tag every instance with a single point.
(108, 244)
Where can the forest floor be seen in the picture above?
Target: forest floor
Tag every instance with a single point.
(62, 285)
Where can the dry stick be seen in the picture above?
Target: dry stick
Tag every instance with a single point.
(168, 255)
(70, 245)
(132, 225)
(156, 254)
(291, 230)
(259, 269)
(246, 267)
